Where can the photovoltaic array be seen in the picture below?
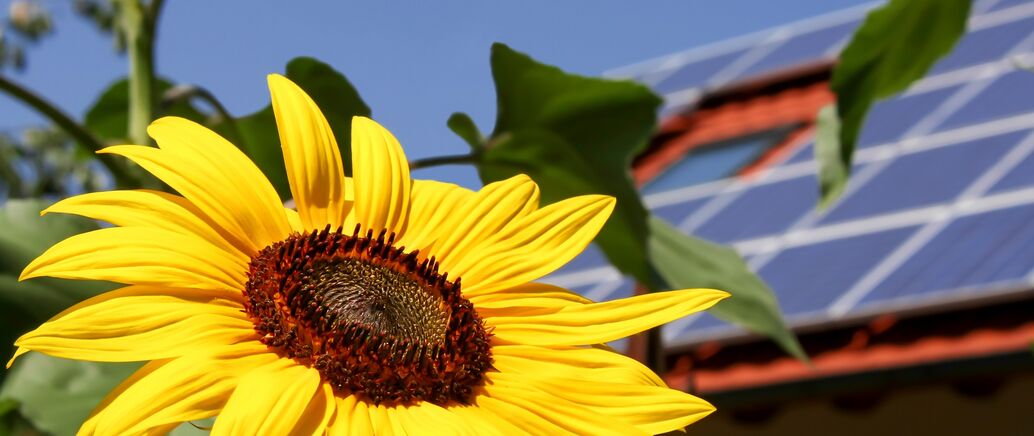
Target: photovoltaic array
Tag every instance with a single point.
(940, 207)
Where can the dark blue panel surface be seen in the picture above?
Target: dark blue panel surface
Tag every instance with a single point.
(810, 277)
(985, 45)
(697, 73)
(923, 179)
(762, 210)
(889, 120)
(978, 250)
(1021, 176)
(804, 154)
(1003, 4)
(1011, 94)
(803, 48)
(678, 212)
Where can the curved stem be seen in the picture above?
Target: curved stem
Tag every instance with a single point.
(187, 92)
(442, 160)
(66, 123)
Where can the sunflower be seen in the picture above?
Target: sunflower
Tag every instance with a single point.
(380, 305)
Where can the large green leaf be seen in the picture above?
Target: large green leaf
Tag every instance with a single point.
(894, 47)
(574, 135)
(256, 134)
(56, 395)
(687, 262)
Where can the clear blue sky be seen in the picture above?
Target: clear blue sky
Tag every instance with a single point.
(413, 62)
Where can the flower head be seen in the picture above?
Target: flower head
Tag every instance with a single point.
(381, 305)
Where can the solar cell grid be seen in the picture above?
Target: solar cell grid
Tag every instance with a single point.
(1020, 176)
(808, 278)
(985, 45)
(982, 249)
(678, 212)
(697, 73)
(1005, 4)
(805, 47)
(1010, 94)
(924, 178)
(889, 120)
(762, 210)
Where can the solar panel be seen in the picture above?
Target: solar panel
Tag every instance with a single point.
(1010, 94)
(1004, 4)
(974, 251)
(889, 120)
(762, 210)
(808, 278)
(985, 45)
(915, 227)
(1021, 176)
(924, 178)
(697, 73)
(678, 212)
(806, 47)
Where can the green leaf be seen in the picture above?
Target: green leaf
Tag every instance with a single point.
(464, 127)
(12, 422)
(333, 93)
(574, 135)
(26, 235)
(894, 47)
(57, 395)
(687, 262)
(832, 174)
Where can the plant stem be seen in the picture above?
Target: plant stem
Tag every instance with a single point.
(66, 123)
(442, 160)
(138, 30)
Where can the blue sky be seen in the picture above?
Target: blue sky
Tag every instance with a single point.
(413, 62)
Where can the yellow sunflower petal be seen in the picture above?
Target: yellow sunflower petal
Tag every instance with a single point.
(294, 220)
(432, 204)
(350, 418)
(652, 409)
(423, 418)
(142, 323)
(240, 207)
(547, 411)
(167, 392)
(144, 208)
(526, 299)
(574, 363)
(380, 421)
(380, 174)
(311, 155)
(537, 245)
(482, 216)
(271, 399)
(602, 322)
(141, 256)
(317, 415)
(249, 203)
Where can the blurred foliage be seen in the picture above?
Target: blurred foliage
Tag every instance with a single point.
(894, 47)
(44, 162)
(687, 262)
(57, 395)
(26, 23)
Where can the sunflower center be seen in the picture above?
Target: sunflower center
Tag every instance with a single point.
(374, 320)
